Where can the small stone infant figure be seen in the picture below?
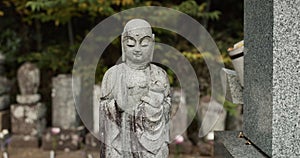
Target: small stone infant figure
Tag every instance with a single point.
(158, 85)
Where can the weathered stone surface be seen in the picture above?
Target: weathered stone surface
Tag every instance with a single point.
(5, 119)
(271, 94)
(179, 121)
(64, 114)
(238, 63)
(228, 144)
(28, 98)
(63, 140)
(28, 78)
(28, 119)
(135, 99)
(234, 89)
(5, 85)
(4, 102)
(24, 141)
(96, 107)
(212, 115)
(92, 143)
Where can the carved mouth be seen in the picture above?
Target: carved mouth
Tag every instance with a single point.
(137, 55)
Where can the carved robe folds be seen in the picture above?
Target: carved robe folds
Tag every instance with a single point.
(134, 112)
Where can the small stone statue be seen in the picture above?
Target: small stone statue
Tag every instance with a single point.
(135, 102)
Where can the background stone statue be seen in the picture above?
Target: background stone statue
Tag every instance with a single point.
(135, 102)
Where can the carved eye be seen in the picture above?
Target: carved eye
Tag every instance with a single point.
(145, 41)
(130, 42)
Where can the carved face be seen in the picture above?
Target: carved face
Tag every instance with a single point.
(138, 45)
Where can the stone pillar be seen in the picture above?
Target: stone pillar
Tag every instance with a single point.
(28, 115)
(272, 87)
(66, 132)
(64, 113)
(96, 107)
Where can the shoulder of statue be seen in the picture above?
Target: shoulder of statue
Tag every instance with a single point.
(113, 71)
(157, 68)
(109, 79)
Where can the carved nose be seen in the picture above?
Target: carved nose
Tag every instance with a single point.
(137, 48)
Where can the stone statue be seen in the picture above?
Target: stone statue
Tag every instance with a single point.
(135, 102)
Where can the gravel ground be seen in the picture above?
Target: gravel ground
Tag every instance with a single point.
(39, 153)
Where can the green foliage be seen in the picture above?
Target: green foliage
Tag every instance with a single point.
(10, 43)
(61, 11)
(197, 11)
(57, 58)
(230, 108)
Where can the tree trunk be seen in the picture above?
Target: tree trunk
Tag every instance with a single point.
(70, 33)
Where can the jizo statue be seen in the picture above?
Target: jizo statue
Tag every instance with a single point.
(135, 103)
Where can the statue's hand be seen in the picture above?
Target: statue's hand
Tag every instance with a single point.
(153, 98)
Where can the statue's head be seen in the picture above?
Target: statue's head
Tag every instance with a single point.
(137, 42)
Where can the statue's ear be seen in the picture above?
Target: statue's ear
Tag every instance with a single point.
(122, 46)
(152, 51)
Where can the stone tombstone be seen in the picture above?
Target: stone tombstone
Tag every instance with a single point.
(180, 114)
(217, 111)
(272, 87)
(271, 123)
(96, 106)
(28, 116)
(28, 78)
(135, 101)
(64, 114)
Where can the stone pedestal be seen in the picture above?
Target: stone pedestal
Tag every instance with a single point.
(28, 119)
(24, 141)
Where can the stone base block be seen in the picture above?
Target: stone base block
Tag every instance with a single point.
(62, 140)
(92, 143)
(5, 119)
(23, 141)
(228, 144)
(28, 98)
(28, 119)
